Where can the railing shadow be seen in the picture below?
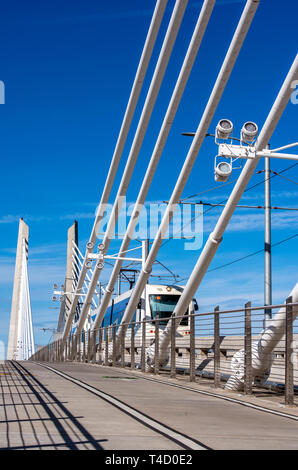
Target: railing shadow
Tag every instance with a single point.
(47, 409)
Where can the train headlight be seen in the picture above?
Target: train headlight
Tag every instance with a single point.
(224, 129)
(249, 131)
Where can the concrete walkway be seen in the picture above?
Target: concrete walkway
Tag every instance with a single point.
(42, 410)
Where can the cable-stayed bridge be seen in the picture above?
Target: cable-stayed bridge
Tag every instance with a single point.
(156, 328)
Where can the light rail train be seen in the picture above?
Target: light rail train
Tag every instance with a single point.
(156, 300)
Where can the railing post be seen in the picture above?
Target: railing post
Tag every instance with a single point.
(216, 348)
(173, 348)
(107, 346)
(143, 350)
(94, 333)
(123, 345)
(192, 356)
(100, 341)
(289, 370)
(73, 347)
(114, 346)
(156, 352)
(78, 348)
(247, 350)
(132, 346)
(69, 351)
(88, 347)
(84, 346)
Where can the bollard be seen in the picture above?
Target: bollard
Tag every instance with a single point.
(216, 348)
(247, 350)
(289, 370)
(143, 350)
(132, 346)
(156, 353)
(192, 356)
(173, 348)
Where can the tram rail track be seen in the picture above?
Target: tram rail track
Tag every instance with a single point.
(186, 442)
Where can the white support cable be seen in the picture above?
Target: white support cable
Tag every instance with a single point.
(129, 113)
(222, 79)
(295, 144)
(182, 80)
(157, 79)
(215, 238)
(77, 250)
(76, 258)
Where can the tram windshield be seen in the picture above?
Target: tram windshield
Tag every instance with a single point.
(163, 306)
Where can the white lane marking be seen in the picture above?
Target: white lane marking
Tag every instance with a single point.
(136, 414)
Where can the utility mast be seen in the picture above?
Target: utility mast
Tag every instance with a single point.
(267, 261)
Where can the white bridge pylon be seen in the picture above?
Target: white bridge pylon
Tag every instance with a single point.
(21, 338)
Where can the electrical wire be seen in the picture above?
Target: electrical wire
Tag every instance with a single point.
(225, 200)
(288, 179)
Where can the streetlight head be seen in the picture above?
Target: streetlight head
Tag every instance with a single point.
(224, 129)
(222, 171)
(249, 131)
(90, 245)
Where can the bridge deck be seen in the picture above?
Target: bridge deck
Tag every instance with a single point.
(43, 410)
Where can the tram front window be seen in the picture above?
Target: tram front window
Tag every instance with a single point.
(163, 306)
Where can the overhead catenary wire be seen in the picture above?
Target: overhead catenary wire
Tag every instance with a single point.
(225, 200)
(239, 206)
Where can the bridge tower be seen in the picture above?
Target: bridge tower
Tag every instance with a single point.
(71, 276)
(21, 340)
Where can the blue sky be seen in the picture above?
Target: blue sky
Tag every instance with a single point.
(68, 68)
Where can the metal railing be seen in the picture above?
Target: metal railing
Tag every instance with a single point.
(205, 349)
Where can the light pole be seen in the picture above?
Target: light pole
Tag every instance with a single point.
(267, 247)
